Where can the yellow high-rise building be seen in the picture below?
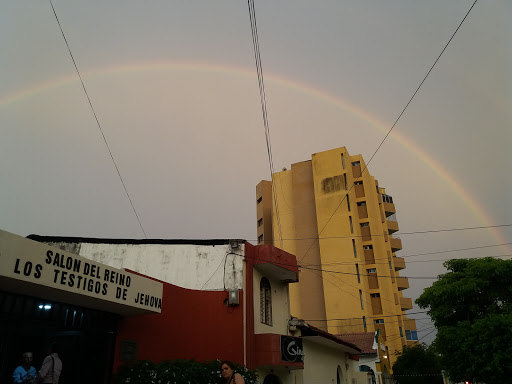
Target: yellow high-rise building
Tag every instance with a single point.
(331, 213)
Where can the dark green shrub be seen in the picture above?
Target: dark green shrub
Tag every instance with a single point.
(177, 372)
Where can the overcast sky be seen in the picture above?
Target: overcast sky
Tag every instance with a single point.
(174, 87)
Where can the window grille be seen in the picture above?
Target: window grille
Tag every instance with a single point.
(265, 301)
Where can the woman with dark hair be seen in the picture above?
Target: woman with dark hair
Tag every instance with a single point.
(227, 370)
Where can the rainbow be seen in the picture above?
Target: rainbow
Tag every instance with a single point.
(308, 90)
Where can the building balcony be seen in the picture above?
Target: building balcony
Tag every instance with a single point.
(402, 283)
(392, 226)
(389, 208)
(396, 244)
(399, 263)
(405, 303)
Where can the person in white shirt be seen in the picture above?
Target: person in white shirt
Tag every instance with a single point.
(51, 367)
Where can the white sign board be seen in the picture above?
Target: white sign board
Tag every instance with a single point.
(51, 271)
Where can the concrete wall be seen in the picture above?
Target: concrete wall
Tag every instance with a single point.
(321, 366)
(188, 266)
(280, 306)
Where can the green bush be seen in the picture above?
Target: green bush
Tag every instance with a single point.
(177, 372)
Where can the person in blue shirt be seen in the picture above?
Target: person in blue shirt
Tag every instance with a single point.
(25, 373)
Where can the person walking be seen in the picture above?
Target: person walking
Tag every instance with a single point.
(51, 367)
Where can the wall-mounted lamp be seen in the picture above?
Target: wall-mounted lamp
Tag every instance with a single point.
(233, 298)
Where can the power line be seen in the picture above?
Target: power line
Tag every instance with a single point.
(423, 254)
(367, 317)
(457, 250)
(410, 262)
(336, 272)
(358, 325)
(263, 101)
(98, 122)
(393, 126)
(422, 337)
(223, 260)
(453, 229)
(369, 275)
(321, 277)
(404, 234)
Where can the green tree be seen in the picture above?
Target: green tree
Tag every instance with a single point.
(417, 364)
(471, 307)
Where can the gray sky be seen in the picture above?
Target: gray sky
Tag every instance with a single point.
(174, 87)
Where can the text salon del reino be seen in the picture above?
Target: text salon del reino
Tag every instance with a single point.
(86, 276)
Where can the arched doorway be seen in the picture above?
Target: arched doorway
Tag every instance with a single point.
(271, 379)
(370, 372)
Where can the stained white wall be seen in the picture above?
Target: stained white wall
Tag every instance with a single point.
(205, 267)
(321, 365)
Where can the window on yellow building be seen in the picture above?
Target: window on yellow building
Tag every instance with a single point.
(411, 335)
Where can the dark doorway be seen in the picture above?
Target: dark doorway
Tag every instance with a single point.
(86, 337)
(271, 379)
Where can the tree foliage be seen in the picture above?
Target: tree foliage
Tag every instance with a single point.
(177, 372)
(471, 306)
(417, 364)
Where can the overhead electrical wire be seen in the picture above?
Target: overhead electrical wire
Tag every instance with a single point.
(329, 271)
(263, 101)
(222, 261)
(410, 262)
(98, 122)
(400, 233)
(393, 126)
(357, 288)
(367, 317)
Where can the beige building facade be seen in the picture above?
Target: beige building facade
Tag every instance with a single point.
(332, 214)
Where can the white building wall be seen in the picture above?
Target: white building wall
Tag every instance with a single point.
(280, 306)
(202, 267)
(321, 366)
